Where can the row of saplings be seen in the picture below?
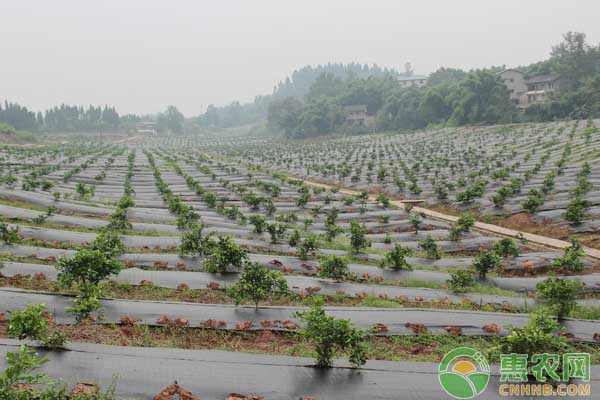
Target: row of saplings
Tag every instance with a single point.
(91, 265)
(330, 337)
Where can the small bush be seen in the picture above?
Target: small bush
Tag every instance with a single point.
(537, 337)
(358, 239)
(431, 248)
(396, 258)
(506, 247)
(460, 281)
(224, 253)
(463, 225)
(257, 283)
(487, 261)
(195, 242)
(109, 243)
(330, 336)
(9, 235)
(559, 294)
(307, 246)
(333, 267)
(572, 259)
(29, 323)
(19, 367)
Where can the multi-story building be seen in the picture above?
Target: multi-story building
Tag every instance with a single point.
(527, 91)
(412, 81)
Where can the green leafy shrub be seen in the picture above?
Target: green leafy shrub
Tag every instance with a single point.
(195, 242)
(259, 223)
(118, 219)
(431, 248)
(460, 281)
(257, 283)
(333, 267)
(507, 247)
(19, 367)
(537, 337)
(9, 235)
(559, 294)
(396, 258)
(276, 231)
(572, 259)
(225, 253)
(29, 323)
(86, 268)
(575, 212)
(535, 198)
(463, 225)
(487, 261)
(294, 238)
(330, 336)
(358, 239)
(109, 243)
(307, 246)
(416, 220)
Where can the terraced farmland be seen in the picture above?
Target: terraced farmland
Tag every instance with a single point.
(187, 218)
(537, 177)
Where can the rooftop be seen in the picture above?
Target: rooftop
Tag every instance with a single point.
(412, 78)
(543, 78)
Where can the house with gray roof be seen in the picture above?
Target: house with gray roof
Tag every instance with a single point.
(526, 91)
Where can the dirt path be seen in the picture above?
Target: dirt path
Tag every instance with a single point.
(133, 139)
(497, 230)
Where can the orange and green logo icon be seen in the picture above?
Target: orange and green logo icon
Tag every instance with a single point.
(464, 373)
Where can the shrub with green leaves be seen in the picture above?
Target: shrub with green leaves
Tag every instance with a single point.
(486, 261)
(87, 301)
(195, 242)
(9, 235)
(118, 219)
(330, 336)
(396, 258)
(307, 245)
(535, 198)
(29, 323)
(431, 248)
(358, 239)
(575, 212)
(572, 259)
(225, 253)
(559, 294)
(460, 281)
(187, 218)
(334, 267)
(463, 225)
(109, 243)
(331, 229)
(506, 247)
(257, 283)
(416, 220)
(276, 231)
(383, 200)
(19, 370)
(537, 337)
(294, 238)
(259, 223)
(86, 266)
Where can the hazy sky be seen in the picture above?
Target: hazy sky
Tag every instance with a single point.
(143, 55)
